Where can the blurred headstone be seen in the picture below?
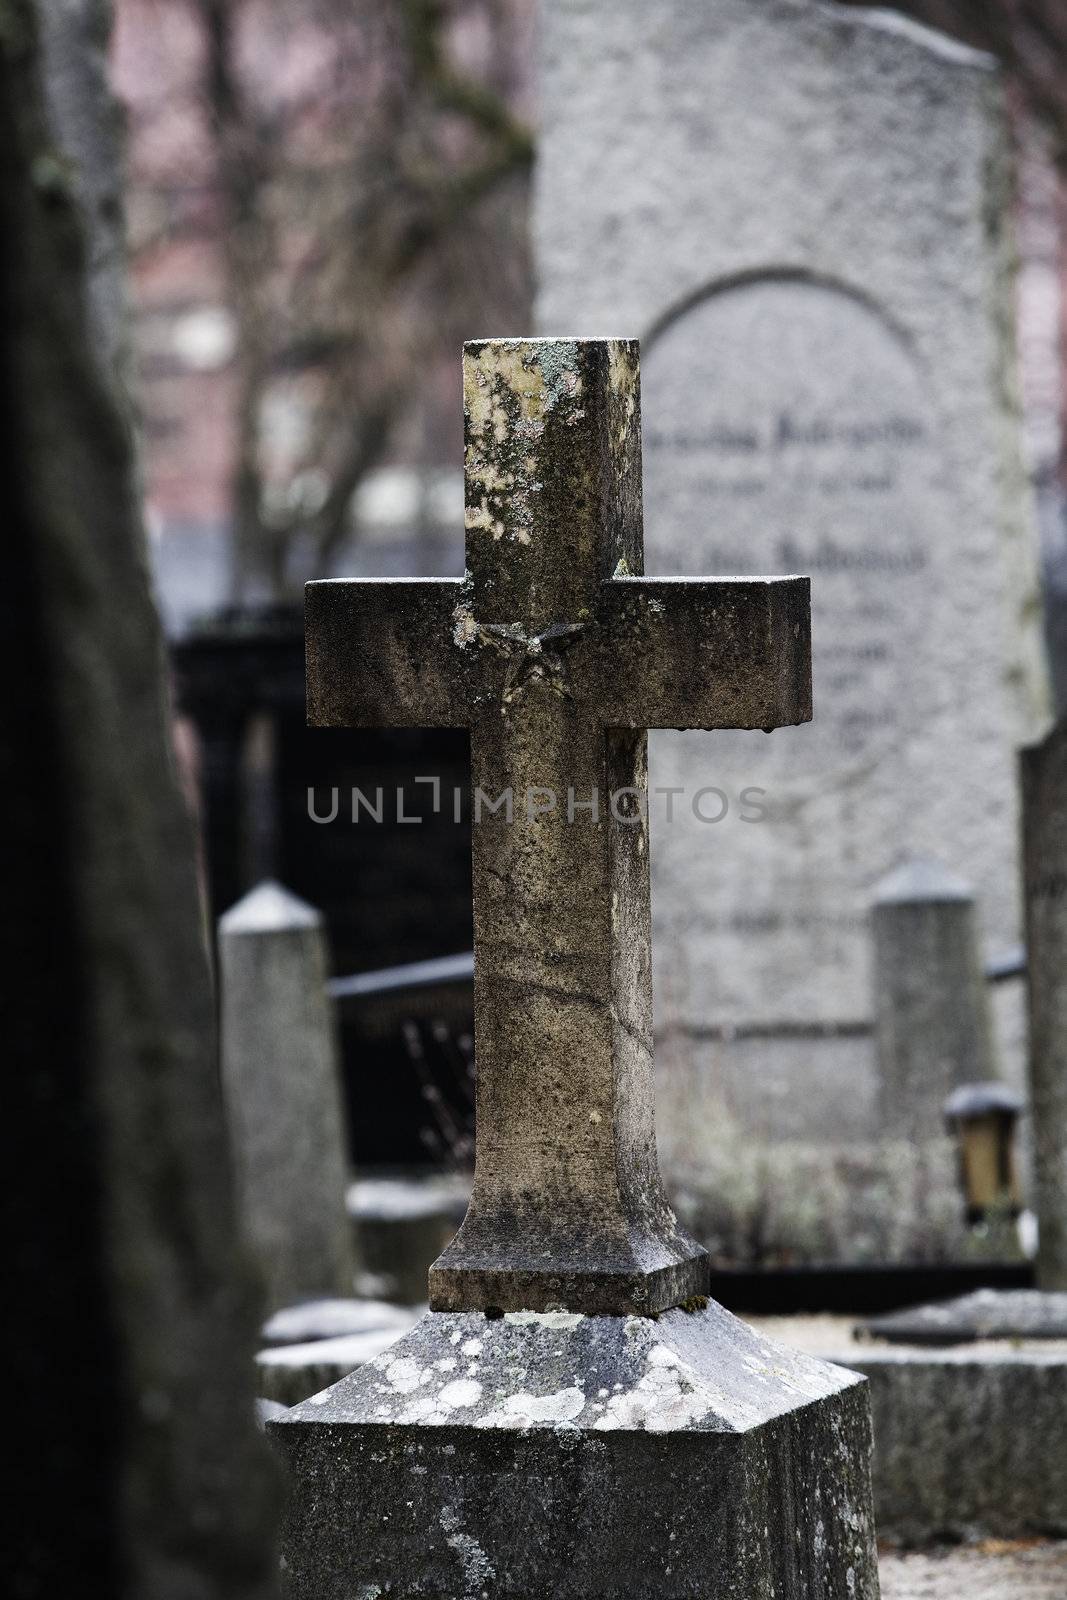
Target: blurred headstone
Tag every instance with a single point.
(1043, 769)
(280, 1075)
(140, 1469)
(801, 211)
(932, 1015)
(404, 1222)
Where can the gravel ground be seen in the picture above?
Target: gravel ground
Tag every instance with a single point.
(817, 1334)
(993, 1570)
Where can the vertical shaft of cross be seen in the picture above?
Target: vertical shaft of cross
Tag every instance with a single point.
(568, 1210)
(552, 466)
(557, 655)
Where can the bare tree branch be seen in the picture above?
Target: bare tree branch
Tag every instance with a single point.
(341, 198)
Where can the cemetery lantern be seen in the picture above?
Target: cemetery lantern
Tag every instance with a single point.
(983, 1118)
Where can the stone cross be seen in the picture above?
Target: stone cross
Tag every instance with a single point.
(557, 655)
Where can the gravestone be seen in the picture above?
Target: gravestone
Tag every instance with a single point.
(801, 210)
(1043, 770)
(571, 1417)
(280, 1073)
(933, 1023)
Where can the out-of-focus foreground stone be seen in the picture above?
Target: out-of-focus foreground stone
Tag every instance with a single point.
(140, 1471)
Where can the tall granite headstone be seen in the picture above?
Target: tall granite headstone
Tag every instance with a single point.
(280, 1072)
(800, 209)
(572, 1417)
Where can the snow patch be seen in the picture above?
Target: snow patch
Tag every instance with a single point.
(544, 1319)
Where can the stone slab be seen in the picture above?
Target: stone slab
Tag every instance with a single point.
(968, 1440)
(985, 1314)
(383, 1199)
(678, 1455)
(800, 211)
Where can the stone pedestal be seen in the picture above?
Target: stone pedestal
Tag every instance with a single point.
(669, 1456)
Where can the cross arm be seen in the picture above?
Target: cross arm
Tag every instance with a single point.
(380, 654)
(705, 653)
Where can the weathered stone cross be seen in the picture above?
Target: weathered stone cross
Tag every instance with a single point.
(558, 656)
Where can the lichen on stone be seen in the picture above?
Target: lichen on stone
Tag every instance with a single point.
(524, 1410)
(666, 1397)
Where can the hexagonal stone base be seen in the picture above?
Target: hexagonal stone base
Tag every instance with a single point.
(583, 1458)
